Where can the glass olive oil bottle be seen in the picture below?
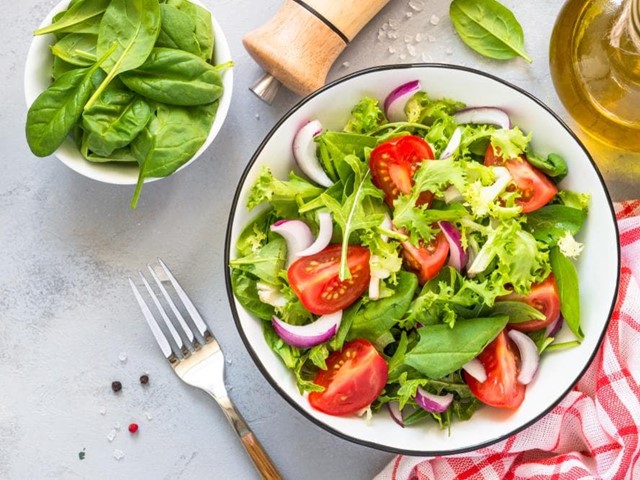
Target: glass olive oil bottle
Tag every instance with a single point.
(595, 66)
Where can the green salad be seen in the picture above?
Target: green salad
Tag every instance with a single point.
(421, 262)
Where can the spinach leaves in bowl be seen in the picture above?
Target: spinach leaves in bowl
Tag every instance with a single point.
(133, 81)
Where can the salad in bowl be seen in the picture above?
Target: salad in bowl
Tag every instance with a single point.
(416, 265)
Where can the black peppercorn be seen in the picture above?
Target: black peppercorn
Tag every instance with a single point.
(116, 386)
(144, 379)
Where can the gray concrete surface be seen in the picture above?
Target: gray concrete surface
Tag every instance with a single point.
(68, 244)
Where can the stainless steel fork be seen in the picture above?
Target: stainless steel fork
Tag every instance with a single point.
(199, 362)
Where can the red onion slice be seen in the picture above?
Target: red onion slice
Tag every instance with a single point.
(307, 336)
(476, 369)
(374, 288)
(483, 115)
(297, 234)
(453, 144)
(553, 327)
(452, 194)
(395, 102)
(396, 413)
(433, 403)
(529, 357)
(304, 152)
(457, 254)
(324, 235)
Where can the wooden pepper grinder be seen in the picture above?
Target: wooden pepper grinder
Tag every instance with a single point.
(300, 43)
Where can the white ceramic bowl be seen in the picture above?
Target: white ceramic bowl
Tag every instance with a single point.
(37, 77)
(598, 265)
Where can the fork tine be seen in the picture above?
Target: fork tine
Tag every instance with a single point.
(183, 324)
(162, 341)
(176, 338)
(193, 312)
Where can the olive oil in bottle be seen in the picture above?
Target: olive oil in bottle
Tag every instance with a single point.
(595, 66)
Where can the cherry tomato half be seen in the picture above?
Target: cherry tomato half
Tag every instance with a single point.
(315, 280)
(543, 296)
(393, 164)
(427, 261)
(535, 188)
(354, 378)
(501, 388)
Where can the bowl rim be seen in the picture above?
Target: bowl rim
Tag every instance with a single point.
(111, 172)
(254, 355)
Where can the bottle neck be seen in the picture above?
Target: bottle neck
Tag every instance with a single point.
(626, 30)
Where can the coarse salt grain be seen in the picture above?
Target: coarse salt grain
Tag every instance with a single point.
(103, 411)
(118, 454)
(434, 20)
(111, 436)
(148, 415)
(122, 357)
(416, 5)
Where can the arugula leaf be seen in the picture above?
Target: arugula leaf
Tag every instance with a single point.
(550, 223)
(365, 116)
(569, 290)
(443, 349)
(351, 215)
(489, 28)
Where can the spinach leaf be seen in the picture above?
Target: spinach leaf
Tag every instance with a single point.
(177, 30)
(77, 49)
(169, 140)
(120, 155)
(56, 110)
(175, 77)
(77, 14)
(569, 290)
(443, 349)
(114, 120)
(333, 147)
(377, 317)
(554, 165)
(517, 312)
(348, 317)
(489, 28)
(550, 223)
(266, 263)
(133, 26)
(246, 291)
(60, 67)
(204, 25)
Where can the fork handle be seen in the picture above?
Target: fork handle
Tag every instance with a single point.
(259, 457)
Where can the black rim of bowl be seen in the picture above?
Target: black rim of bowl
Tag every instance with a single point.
(254, 355)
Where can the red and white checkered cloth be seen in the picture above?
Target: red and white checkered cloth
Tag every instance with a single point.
(593, 432)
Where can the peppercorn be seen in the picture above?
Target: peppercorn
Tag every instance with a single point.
(116, 386)
(133, 427)
(144, 379)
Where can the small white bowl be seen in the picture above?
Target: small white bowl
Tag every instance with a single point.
(598, 266)
(37, 77)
